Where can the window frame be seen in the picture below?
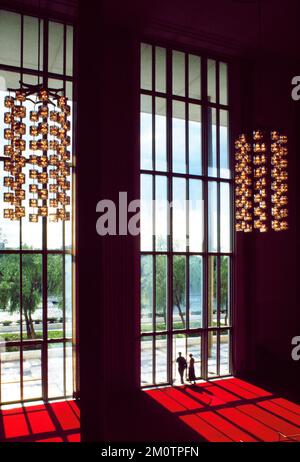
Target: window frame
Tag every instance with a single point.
(204, 104)
(65, 340)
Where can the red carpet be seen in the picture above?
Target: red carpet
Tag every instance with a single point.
(55, 422)
(232, 410)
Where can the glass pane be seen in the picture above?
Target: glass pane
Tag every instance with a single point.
(32, 371)
(32, 290)
(69, 94)
(55, 370)
(161, 213)
(146, 66)
(55, 235)
(7, 80)
(225, 291)
(160, 134)
(179, 346)
(69, 295)
(211, 80)
(179, 214)
(195, 216)
(10, 35)
(196, 291)
(56, 48)
(225, 207)
(178, 74)
(194, 77)
(69, 51)
(9, 298)
(146, 361)
(146, 293)
(160, 69)
(10, 374)
(223, 83)
(161, 292)
(32, 233)
(32, 80)
(178, 137)
(212, 353)
(57, 84)
(179, 292)
(194, 348)
(224, 352)
(146, 213)
(224, 145)
(30, 43)
(69, 369)
(195, 140)
(55, 230)
(212, 291)
(9, 230)
(212, 142)
(68, 225)
(212, 217)
(55, 296)
(161, 359)
(146, 133)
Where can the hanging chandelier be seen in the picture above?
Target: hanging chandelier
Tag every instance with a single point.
(261, 201)
(47, 154)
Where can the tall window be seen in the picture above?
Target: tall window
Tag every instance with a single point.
(36, 259)
(186, 230)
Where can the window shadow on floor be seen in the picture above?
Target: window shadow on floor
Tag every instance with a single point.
(231, 410)
(51, 422)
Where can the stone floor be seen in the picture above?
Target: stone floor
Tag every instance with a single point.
(32, 375)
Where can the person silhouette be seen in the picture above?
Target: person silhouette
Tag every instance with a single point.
(191, 370)
(182, 365)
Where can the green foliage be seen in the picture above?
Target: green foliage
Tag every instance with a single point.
(179, 277)
(31, 283)
(12, 337)
(9, 283)
(195, 274)
(161, 285)
(146, 281)
(32, 289)
(179, 282)
(55, 277)
(224, 282)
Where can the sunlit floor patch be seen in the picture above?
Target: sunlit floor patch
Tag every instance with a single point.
(51, 422)
(231, 410)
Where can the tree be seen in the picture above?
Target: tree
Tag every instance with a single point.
(224, 284)
(179, 283)
(179, 277)
(31, 284)
(161, 286)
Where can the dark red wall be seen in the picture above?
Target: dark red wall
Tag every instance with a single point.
(267, 312)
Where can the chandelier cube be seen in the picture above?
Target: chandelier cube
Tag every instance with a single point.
(46, 153)
(261, 160)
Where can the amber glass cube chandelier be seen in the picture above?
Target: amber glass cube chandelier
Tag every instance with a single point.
(261, 201)
(47, 154)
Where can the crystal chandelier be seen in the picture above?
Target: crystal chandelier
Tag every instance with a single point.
(261, 200)
(47, 154)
